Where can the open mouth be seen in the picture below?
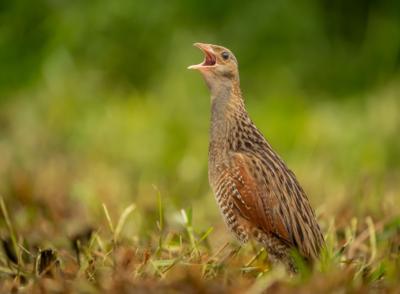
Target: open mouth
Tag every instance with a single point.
(209, 57)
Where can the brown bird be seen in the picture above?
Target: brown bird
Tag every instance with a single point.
(258, 196)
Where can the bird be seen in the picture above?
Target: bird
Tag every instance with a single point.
(258, 196)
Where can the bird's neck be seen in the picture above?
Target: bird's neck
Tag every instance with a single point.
(227, 108)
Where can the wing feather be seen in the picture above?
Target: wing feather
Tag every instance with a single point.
(276, 209)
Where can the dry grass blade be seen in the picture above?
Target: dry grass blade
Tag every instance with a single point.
(372, 238)
(127, 211)
(218, 252)
(363, 237)
(250, 262)
(10, 230)
(109, 221)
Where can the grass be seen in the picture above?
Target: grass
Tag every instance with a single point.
(106, 191)
(360, 256)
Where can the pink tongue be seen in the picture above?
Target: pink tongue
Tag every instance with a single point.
(209, 59)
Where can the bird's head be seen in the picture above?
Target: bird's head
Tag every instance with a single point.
(219, 67)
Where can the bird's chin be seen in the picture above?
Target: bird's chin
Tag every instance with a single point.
(210, 60)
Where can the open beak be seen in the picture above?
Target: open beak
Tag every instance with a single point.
(209, 57)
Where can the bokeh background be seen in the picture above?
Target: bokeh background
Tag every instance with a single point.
(97, 106)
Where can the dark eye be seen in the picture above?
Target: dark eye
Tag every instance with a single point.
(225, 55)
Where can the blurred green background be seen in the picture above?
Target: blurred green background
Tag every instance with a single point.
(96, 105)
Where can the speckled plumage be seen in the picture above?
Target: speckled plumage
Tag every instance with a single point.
(258, 196)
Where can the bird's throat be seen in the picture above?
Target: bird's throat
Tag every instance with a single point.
(226, 107)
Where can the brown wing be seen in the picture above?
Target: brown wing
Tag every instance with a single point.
(266, 198)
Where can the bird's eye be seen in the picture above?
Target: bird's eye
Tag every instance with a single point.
(225, 55)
